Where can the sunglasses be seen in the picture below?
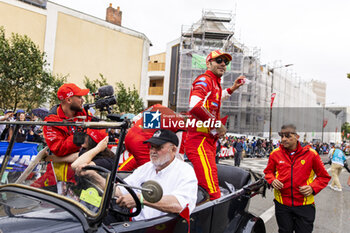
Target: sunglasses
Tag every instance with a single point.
(287, 135)
(155, 147)
(219, 60)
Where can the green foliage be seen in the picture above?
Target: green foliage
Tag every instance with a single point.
(345, 129)
(24, 81)
(348, 76)
(58, 80)
(93, 85)
(128, 101)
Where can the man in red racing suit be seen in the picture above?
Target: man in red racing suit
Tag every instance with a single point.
(59, 139)
(205, 101)
(296, 174)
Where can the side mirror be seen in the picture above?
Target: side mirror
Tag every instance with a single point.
(152, 191)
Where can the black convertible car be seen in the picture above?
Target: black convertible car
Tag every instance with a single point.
(85, 206)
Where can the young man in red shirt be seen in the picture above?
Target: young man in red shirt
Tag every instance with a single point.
(297, 174)
(59, 139)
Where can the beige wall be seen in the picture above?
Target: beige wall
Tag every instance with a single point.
(24, 22)
(97, 49)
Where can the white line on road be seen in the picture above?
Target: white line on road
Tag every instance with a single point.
(268, 214)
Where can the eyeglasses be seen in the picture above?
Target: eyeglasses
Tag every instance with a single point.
(155, 147)
(287, 134)
(219, 60)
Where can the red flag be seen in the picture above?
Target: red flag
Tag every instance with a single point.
(224, 120)
(185, 214)
(47, 179)
(325, 121)
(273, 95)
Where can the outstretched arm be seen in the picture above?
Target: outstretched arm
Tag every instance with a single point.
(66, 159)
(227, 92)
(88, 156)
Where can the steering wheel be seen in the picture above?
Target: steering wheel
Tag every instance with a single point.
(96, 168)
(125, 211)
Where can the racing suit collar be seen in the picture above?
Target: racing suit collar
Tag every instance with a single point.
(211, 74)
(60, 113)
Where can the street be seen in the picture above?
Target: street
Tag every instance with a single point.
(332, 208)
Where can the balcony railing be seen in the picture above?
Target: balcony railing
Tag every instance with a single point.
(156, 66)
(155, 91)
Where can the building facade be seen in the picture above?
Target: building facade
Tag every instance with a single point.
(79, 45)
(249, 107)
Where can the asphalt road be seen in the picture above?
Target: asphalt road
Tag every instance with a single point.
(332, 207)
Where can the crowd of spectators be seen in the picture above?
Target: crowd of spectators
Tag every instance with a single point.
(28, 133)
(31, 133)
(255, 147)
(261, 147)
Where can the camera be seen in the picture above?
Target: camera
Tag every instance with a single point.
(104, 99)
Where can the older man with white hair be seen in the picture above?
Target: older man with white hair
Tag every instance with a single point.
(177, 179)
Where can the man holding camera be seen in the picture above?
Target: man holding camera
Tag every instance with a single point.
(59, 139)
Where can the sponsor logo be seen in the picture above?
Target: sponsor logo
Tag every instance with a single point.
(202, 83)
(157, 134)
(70, 94)
(281, 161)
(302, 162)
(155, 120)
(151, 120)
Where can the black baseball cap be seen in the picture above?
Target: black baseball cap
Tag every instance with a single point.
(162, 136)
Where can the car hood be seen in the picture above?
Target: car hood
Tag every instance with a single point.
(38, 222)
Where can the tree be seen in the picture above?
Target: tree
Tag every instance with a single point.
(128, 100)
(93, 85)
(58, 80)
(24, 81)
(345, 130)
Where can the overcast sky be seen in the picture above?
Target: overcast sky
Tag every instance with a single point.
(311, 34)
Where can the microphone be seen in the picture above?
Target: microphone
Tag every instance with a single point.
(103, 91)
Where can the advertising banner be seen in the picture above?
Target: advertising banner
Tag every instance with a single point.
(21, 155)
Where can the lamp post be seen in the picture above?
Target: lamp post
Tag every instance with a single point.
(272, 71)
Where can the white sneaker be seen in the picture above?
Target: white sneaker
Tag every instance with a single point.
(337, 189)
(332, 187)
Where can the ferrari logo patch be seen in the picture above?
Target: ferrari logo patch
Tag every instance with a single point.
(302, 162)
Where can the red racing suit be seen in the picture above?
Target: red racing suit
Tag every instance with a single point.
(137, 135)
(200, 146)
(59, 139)
(294, 170)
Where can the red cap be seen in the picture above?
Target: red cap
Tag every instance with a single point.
(70, 89)
(218, 53)
(97, 134)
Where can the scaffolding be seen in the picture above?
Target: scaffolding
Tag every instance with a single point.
(215, 30)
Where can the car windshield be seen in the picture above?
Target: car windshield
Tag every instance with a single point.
(27, 169)
(54, 179)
